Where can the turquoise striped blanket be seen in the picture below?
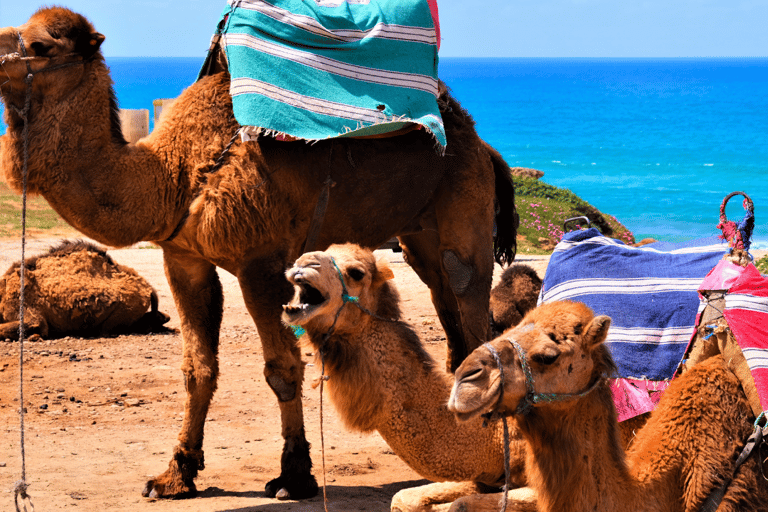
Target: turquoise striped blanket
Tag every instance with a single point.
(317, 69)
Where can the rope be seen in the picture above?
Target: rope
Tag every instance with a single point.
(504, 425)
(299, 331)
(20, 488)
(322, 436)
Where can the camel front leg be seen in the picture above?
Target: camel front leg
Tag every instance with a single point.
(464, 211)
(199, 299)
(265, 290)
(422, 252)
(34, 324)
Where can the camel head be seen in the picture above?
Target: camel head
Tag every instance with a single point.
(338, 289)
(562, 345)
(52, 36)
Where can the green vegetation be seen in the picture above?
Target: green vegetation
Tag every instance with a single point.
(544, 208)
(762, 265)
(40, 217)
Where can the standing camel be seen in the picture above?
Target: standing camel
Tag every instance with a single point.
(566, 414)
(251, 216)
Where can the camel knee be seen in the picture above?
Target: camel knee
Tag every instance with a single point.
(284, 382)
(459, 274)
(199, 377)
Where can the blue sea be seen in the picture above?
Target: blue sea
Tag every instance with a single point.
(658, 143)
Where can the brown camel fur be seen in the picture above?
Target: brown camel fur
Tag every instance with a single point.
(516, 293)
(76, 289)
(381, 378)
(575, 461)
(251, 215)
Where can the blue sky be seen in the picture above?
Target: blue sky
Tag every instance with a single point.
(470, 28)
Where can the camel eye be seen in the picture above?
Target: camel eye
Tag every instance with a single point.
(356, 274)
(577, 329)
(40, 49)
(545, 359)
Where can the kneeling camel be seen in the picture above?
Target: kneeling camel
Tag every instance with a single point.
(565, 412)
(381, 378)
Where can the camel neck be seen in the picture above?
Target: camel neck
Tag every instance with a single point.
(575, 460)
(396, 389)
(112, 192)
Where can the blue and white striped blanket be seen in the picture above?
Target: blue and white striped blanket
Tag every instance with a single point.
(316, 69)
(649, 292)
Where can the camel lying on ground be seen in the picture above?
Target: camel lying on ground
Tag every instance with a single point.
(516, 293)
(251, 216)
(76, 289)
(575, 460)
(381, 378)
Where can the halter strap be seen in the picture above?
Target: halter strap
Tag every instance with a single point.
(531, 396)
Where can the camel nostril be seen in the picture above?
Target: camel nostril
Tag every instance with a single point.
(472, 375)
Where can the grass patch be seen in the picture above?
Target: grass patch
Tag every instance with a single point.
(41, 219)
(762, 265)
(543, 209)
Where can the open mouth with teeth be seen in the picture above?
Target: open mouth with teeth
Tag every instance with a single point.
(306, 300)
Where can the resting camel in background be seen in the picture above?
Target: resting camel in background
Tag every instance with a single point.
(76, 289)
(380, 377)
(250, 217)
(575, 460)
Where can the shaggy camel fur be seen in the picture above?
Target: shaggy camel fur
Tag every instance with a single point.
(249, 216)
(76, 289)
(575, 460)
(516, 293)
(381, 378)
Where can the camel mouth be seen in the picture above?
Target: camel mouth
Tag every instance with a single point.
(305, 301)
(469, 396)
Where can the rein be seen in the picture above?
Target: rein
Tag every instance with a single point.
(20, 488)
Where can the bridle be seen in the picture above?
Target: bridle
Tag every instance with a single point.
(526, 404)
(299, 331)
(531, 396)
(24, 112)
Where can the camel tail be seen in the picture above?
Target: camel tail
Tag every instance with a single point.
(507, 220)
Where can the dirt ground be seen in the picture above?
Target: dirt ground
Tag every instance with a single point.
(103, 414)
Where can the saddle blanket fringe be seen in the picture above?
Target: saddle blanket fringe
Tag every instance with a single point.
(318, 69)
(651, 295)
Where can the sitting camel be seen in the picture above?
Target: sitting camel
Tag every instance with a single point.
(555, 384)
(381, 378)
(76, 289)
(515, 294)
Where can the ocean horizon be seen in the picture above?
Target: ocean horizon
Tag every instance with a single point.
(657, 143)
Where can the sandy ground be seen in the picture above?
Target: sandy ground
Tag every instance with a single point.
(103, 414)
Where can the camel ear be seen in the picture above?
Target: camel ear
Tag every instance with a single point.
(383, 272)
(597, 330)
(88, 44)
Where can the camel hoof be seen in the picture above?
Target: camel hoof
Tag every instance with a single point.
(296, 487)
(155, 490)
